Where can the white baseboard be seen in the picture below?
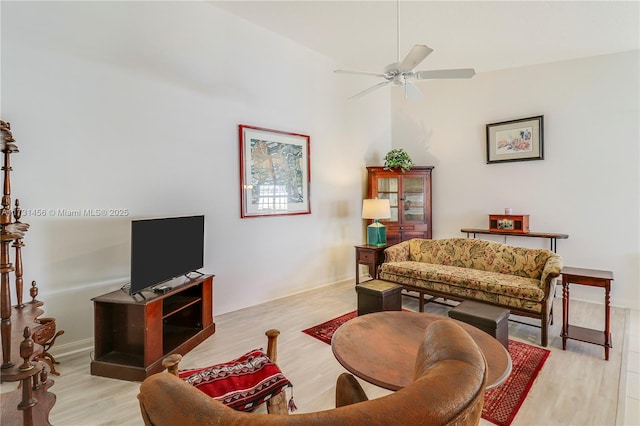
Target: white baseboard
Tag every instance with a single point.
(73, 348)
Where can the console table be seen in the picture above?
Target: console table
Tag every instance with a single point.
(551, 236)
(592, 278)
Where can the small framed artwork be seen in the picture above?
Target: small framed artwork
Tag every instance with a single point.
(515, 140)
(274, 172)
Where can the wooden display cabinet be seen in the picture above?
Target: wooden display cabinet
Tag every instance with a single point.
(409, 195)
(133, 334)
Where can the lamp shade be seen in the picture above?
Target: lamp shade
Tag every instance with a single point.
(376, 209)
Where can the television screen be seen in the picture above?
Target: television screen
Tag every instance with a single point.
(162, 249)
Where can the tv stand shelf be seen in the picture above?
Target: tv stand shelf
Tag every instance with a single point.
(176, 304)
(132, 335)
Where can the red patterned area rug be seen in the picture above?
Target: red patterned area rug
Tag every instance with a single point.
(501, 404)
(324, 332)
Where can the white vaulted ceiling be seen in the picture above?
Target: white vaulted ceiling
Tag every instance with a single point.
(476, 34)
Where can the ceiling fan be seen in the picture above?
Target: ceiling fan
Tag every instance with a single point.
(403, 73)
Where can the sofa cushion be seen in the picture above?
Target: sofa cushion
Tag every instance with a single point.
(481, 255)
(243, 383)
(490, 282)
(461, 292)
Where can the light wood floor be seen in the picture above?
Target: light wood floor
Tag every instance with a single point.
(576, 386)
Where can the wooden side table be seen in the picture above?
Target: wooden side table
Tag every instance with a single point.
(372, 256)
(592, 278)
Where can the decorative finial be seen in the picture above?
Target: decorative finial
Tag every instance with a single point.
(17, 211)
(26, 350)
(33, 292)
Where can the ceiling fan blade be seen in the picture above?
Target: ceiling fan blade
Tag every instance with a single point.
(411, 91)
(414, 57)
(375, 74)
(455, 73)
(370, 89)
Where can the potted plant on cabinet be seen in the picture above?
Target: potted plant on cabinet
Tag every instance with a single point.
(397, 158)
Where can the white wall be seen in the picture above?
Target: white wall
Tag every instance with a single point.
(135, 105)
(587, 186)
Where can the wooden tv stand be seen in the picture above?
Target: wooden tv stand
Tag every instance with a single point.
(133, 334)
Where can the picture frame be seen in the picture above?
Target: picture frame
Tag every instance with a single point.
(275, 173)
(515, 140)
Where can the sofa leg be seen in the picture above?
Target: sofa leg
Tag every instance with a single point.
(421, 303)
(544, 328)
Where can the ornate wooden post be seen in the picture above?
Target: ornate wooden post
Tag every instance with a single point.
(8, 146)
(28, 401)
(18, 244)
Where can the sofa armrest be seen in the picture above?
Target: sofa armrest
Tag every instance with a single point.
(551, 270)
(397, 253)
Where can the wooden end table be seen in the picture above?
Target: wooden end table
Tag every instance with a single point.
(381, 348)
(372, 256)
(592, 278)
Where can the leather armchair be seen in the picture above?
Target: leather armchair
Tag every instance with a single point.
(450, 375)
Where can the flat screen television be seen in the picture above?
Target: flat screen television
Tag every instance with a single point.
(162, 249)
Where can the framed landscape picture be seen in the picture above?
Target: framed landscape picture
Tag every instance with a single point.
(515, 140)
(274, 172)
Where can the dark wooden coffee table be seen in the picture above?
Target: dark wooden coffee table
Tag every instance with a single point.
(381, 348)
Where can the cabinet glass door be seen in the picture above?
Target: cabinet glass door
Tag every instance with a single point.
(388, 188)
(413, 200)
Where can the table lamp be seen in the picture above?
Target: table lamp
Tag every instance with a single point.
(376, 209)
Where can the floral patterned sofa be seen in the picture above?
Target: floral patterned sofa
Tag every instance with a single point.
(516, 278)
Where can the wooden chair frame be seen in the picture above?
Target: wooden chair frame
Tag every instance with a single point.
(276, 404)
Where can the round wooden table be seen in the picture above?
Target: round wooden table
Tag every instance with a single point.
(381, 347)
